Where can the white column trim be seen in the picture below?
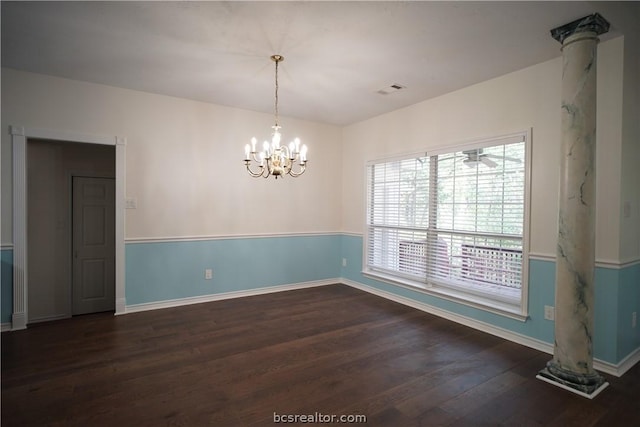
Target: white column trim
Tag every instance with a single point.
(19, 137)
(20, 271)
(121, 145)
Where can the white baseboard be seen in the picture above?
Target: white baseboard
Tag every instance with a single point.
(4, 327)
(134, 308)
(629, 361)
(464, 320)
(609, 368)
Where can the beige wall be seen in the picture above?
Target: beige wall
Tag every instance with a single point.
(50, 167)
(630, 170)
(529, 98)
(183, 159)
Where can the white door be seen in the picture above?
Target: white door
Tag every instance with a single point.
(93, 284)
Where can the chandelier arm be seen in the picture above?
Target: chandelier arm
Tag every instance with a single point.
(251, 172)
(303, 167)
(255, 158)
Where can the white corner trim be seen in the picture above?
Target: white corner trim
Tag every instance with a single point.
(121, 174)
(121, 305)
(545, 347)
(20, 273)
(134, 308)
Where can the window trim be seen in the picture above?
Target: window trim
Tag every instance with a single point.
(471, 298)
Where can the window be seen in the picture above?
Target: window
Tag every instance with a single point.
(452, 222)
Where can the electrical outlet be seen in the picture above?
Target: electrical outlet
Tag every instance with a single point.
(633, 319)
(344, 262)
(208, 274)
(549, 312)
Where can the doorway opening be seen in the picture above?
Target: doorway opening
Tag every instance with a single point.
(71, 229)
(21, 270)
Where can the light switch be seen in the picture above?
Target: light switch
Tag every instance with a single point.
(131, 203)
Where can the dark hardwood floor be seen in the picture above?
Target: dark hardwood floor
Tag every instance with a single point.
(331, 350)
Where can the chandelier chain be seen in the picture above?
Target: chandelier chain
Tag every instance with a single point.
(276, 102)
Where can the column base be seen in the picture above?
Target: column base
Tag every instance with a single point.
(18, 321)
(585, 385)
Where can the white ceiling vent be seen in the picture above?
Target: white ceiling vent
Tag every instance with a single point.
(390, 89)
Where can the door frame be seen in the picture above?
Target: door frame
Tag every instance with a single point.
(19, 138)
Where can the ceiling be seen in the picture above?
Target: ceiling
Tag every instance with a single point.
(338, 55)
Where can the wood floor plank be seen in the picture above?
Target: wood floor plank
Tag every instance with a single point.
(332, 349)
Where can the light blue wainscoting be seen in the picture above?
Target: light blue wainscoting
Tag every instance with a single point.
(6, 285)
(160, 271)
(617, 294)
(628, 303)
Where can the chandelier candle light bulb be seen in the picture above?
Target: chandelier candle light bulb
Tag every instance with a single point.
(275, 160)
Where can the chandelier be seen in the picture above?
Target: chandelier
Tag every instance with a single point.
(274, 159)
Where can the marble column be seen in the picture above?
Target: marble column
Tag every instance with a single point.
(572, 363)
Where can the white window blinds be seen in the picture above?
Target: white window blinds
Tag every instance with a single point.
(452, 219)
(398, 216)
